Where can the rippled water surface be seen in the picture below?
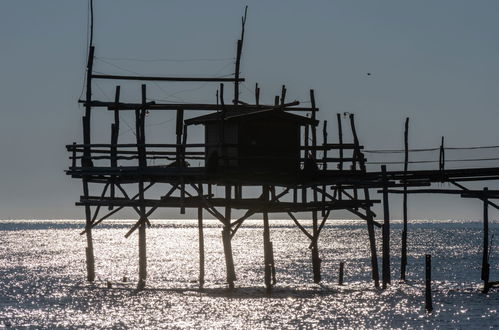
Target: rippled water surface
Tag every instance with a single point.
(42, 278)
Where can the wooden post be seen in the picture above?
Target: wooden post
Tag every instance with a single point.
(340, 276)
(88, 107)
(115, 131)
(304, 190)
(485, 256)
(324, 162)
(386, 231)
(140, 134)
(201, 240)
(441, 159)
(229, 261)
(272, 263)
(340, 141)
(428, 302)
(142, 254)
(89, 250)
(266, 243)
(257, 94)
(316, 261)
(238, 58)
(372, 244)
(357, 155)
(283, 96)
(179, 131)
(403, 256)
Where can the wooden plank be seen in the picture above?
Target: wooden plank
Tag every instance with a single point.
(157, 78)
(194, 106)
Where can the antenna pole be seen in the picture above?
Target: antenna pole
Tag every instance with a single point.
(238, 58)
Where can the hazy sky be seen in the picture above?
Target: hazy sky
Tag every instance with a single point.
(434, 61)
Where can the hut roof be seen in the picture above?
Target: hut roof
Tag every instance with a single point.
(243, 114)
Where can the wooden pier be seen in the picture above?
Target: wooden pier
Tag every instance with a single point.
(272, 148)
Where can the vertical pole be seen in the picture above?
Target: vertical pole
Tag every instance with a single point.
(485, 257)
(357, 155)
(266, 243)
(316, 261)
(272, 263)
(229, 261)
(257, 94)
(403, 256)
(179, 131)
(428, 302)
(324, 162)
(283, 95)
(340, 141)
(372, 244)
(441, 159)
(115, 131)
(201, 240)
(304, 190)
(87, 162)
(238, 58)
(340, 276)
(89, 251)
(386, 231)
(140, 128)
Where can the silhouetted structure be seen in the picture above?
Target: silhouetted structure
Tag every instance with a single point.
(246, 146)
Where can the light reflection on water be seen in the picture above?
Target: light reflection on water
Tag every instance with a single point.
(42, 272)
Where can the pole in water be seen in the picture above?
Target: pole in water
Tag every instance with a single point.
(485, 259)
(267, 249)
(340, 277)
(229, 261)
(386, 232)
(201, 241)
(428, 302)
(403, 254)
(142, 255)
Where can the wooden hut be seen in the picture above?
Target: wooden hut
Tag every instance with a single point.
(256, 140)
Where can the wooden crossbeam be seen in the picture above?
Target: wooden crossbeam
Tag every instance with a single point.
(156, 78)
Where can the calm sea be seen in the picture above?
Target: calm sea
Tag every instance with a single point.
(42, 278)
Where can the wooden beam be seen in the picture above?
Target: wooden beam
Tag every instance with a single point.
(156, 78)
(193, 106)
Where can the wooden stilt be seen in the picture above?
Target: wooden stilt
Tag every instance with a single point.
(428, 300)
(229, 261)
(340, 141)
(403, 254)
(201, 241)
(372, 245)
(267, 250)
(316, 261)
(386, 232)
(142, 255)
(272, 264)
(485, 256)
(140, 135)
(89, 250)
(340, 275)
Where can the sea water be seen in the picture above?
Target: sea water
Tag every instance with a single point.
(42, 277)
